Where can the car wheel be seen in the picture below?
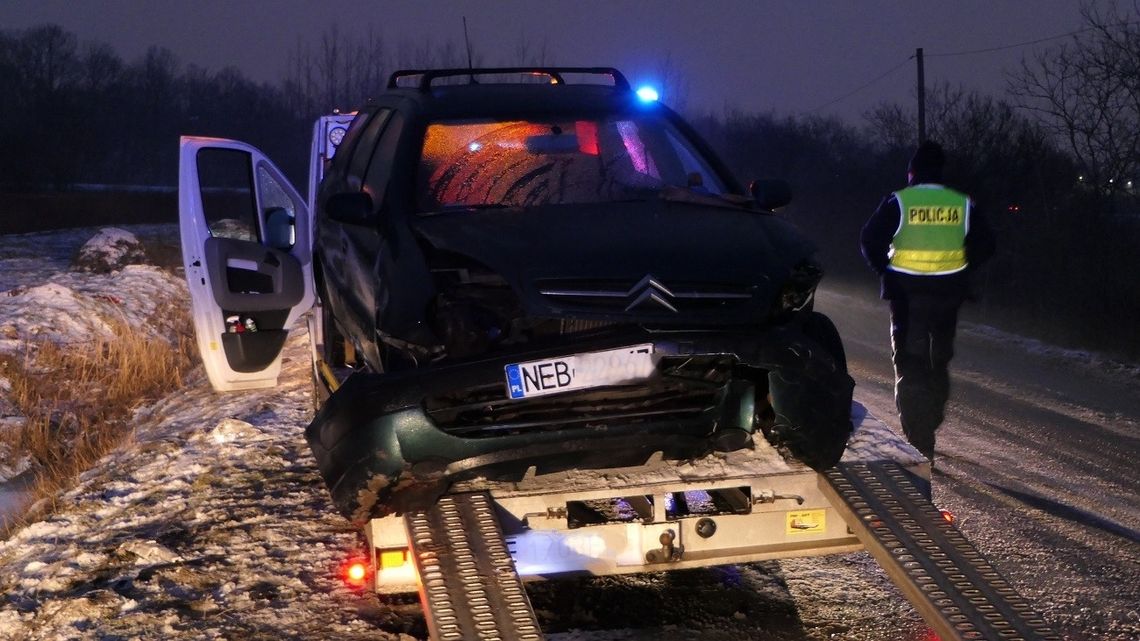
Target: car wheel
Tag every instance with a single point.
(812, 405)
(820, 329)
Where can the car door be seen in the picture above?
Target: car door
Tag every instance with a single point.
(247, 249)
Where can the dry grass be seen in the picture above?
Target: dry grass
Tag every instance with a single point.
(78, 398)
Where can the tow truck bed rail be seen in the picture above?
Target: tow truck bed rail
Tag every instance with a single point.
(955, 589)
(468, 583)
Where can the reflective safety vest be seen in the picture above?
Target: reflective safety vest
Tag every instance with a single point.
(931, 238)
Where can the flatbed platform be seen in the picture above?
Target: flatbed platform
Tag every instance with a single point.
(472, 551)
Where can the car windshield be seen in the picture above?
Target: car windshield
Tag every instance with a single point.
(525, 163)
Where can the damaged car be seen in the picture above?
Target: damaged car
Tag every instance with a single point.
(513, 272)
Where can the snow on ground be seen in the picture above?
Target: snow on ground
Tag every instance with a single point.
(79, 307)
(213, 523)
(43, 298)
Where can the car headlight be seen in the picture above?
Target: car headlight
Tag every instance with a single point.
(799, 290)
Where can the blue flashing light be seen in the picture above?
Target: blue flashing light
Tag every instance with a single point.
(647, 94)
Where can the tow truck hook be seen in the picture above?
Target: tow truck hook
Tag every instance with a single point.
(668, 552)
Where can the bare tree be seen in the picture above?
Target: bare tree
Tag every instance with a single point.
(343, 74)
(529, 53)
(427, 54)
(674, 84)
(329, 66)
(48, 58)
(1087, 93)
(367, 68)
(102, 67)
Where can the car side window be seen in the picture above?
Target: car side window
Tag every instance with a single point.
(228, 202)
(351, 138)
(693, 165)
(380, 169)
(362, 153)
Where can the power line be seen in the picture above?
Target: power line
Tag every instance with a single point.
(1024, 44)
(960, 53)
(862, 86)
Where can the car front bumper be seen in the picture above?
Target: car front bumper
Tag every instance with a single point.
(380, 452)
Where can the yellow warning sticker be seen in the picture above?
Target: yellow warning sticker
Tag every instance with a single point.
(806, 522)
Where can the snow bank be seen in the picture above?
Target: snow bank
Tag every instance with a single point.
(111, 249)
(80, 307)
(1091, 361)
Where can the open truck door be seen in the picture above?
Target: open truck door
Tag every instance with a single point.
(247, 249)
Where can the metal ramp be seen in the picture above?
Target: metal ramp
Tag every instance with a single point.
(469, 587)
(959, 594)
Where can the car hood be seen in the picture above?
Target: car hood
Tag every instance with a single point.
(683, 253)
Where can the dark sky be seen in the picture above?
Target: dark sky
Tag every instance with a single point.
(792, 56)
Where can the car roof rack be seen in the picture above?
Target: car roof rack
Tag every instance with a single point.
(554, 73)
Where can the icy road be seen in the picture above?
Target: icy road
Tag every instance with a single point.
(213, 523)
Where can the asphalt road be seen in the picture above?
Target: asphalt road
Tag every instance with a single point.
(1040, 459)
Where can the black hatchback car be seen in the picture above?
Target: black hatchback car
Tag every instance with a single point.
(532, 270)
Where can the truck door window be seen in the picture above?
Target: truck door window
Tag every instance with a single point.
(228, 203)
(278, 211)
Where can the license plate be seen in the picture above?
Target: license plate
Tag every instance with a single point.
(579, 371)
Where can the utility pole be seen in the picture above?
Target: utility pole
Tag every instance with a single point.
(921, 98)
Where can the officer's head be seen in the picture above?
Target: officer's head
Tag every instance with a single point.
(926, 164)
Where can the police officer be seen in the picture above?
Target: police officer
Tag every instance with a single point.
(924, 241)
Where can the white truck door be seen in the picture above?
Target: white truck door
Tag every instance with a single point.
(247, 250)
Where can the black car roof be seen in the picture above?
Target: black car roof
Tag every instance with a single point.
(490, 100)
(491, 92)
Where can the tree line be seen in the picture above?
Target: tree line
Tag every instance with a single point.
(1051, 163)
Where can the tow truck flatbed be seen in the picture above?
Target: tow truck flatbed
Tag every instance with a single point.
(728, 508)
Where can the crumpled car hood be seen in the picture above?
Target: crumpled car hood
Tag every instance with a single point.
(674, 242)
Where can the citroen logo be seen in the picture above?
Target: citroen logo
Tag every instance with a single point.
(650, 289)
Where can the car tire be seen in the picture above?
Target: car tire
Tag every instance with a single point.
(820, 329)
(813, 404)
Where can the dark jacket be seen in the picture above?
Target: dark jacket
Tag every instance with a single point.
(875, 241)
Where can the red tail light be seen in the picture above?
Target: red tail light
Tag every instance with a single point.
(355, 572)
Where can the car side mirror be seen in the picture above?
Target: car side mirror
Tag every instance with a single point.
(279, 230)
(771, 193)
(352, 208)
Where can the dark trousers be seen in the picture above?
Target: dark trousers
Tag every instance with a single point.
(922, 339)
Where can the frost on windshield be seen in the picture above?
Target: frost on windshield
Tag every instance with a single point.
(525, 163)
